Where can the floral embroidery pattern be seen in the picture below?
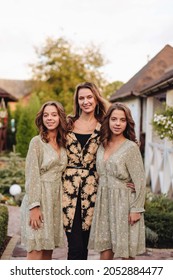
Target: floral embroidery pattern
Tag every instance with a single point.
(80, 174)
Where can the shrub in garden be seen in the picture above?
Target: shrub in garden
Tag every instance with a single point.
(13, 172)
(159, 219)
(3, 224)
(26, 128)
(24, 133)
(151, 238)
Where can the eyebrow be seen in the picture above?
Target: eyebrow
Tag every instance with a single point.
(55, 112)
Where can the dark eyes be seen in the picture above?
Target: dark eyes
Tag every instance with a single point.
(46, 115)
(122, 120)
(88, 97)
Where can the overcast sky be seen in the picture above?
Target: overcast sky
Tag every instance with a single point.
(128, 32)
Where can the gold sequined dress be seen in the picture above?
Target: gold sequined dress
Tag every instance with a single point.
(43, 187)
(110, 228)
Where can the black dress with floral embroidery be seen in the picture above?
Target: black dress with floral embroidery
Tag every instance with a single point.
(80, 174)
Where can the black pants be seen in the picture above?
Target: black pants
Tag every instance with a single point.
(77, 239)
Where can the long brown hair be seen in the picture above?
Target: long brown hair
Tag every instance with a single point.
(129, 132)
(100, 109)
(62, 128)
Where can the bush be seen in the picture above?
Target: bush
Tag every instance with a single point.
(151, 238)
(26, 127)
(25, 132)
(3, 224)
(159, 219)
(13, 172)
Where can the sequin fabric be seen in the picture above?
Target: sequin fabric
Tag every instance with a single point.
(110, 228)
(43, 172)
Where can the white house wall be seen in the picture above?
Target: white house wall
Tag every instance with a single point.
(169, 98)
(134, 105)
(148, 139)
(158, 153)
(144, 115)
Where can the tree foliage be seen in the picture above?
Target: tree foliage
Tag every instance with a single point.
(26, 128)
(111, 88)
(61, 67)
(13, 172)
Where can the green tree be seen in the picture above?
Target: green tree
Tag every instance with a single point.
(60, 67)
(26, 128)
(110, 88)
(10, 134)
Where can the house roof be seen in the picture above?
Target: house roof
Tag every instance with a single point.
(161, 84)
(18, 88)
(151, 72)
(7, 96)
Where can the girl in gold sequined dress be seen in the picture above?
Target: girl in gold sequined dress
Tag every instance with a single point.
(118, 223)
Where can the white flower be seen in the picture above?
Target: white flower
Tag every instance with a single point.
(163, 124)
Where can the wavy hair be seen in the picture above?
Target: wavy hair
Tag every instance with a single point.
(62, 128)
(129, 133)
(100, 109)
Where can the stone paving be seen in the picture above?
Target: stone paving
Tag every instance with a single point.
(18, 252)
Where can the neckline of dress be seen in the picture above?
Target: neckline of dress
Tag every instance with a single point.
(114, 152)
(55, 150)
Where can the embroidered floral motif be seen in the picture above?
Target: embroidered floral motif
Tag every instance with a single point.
(75, 177)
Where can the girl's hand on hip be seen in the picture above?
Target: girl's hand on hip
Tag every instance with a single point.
(36, 218)
(131, 186)
(134, 217)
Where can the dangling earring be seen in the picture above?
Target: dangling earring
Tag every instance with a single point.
(80, 111)
(97, 110)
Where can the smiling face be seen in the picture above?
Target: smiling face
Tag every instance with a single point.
(51, 117)
(86, 100)
(117, 122)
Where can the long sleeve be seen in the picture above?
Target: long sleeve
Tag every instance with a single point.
(32, 173)
(136, 170)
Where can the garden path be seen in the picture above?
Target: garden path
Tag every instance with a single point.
(19, 252)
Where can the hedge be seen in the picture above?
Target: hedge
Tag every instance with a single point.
(3, 223)
(159, 221)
